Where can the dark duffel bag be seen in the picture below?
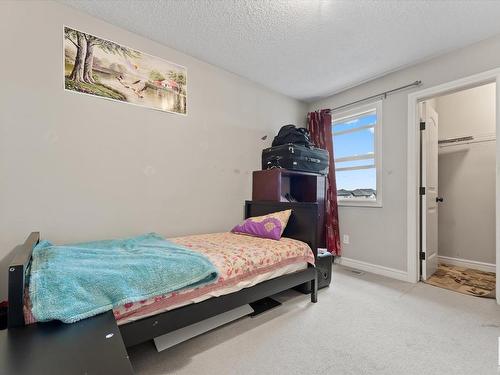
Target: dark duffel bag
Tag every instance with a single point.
(296, 158)
(292, 134)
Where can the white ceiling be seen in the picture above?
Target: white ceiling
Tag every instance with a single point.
(305, 49)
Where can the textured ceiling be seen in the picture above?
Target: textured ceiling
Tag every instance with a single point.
(304, 49)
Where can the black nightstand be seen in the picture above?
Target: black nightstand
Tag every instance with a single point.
(324, 263)
(91, 346)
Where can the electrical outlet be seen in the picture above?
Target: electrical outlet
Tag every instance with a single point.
(345, 239)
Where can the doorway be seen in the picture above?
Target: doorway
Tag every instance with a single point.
(457, 195)
(414, 240)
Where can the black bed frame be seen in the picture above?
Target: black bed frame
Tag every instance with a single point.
(301, 226)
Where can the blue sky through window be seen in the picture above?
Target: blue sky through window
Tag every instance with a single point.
(370, 118)
(357, 179)
(351, 144)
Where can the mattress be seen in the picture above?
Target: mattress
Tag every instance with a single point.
(242, 261)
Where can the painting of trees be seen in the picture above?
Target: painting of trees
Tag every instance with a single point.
(156, 76)
(85, 44)
(180, 79)
(78, 39)
(100, 67)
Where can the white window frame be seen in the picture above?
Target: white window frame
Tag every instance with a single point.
(343, 115)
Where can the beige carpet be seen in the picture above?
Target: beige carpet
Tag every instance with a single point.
(464, 280)
(364, 324)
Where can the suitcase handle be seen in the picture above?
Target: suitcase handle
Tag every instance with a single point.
(314, 160)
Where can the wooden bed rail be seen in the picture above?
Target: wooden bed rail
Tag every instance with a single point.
(16, 284)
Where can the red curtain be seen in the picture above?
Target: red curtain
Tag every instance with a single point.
(320, 127)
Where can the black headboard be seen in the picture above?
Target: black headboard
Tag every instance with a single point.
(303, 222)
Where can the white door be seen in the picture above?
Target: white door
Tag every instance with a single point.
(428, 198)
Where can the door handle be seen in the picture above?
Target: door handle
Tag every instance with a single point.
(439, 199)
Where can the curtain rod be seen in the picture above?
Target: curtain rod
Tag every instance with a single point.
(381, 95)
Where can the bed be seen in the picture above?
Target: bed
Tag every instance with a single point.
(251, 269)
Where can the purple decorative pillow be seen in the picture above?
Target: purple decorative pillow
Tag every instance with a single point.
(267, 226)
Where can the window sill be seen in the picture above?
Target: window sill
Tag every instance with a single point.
(347, 203)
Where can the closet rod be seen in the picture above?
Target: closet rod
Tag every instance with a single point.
(466, 140)
(461, 143)
(454, 140)
(381, 95)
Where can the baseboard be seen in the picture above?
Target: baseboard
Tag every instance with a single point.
(372, 268)
(482, 266)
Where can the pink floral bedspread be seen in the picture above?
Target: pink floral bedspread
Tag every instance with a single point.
(237, 257)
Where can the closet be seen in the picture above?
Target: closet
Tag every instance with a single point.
(464, 198)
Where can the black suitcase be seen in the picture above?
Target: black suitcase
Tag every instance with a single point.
(296, 158)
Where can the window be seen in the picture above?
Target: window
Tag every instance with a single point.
(357, 150)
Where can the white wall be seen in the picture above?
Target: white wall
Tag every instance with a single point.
(78, 168)
(467, 175)
(378, 235)
(467, 112)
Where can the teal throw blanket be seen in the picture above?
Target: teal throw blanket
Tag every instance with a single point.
(73, 282)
